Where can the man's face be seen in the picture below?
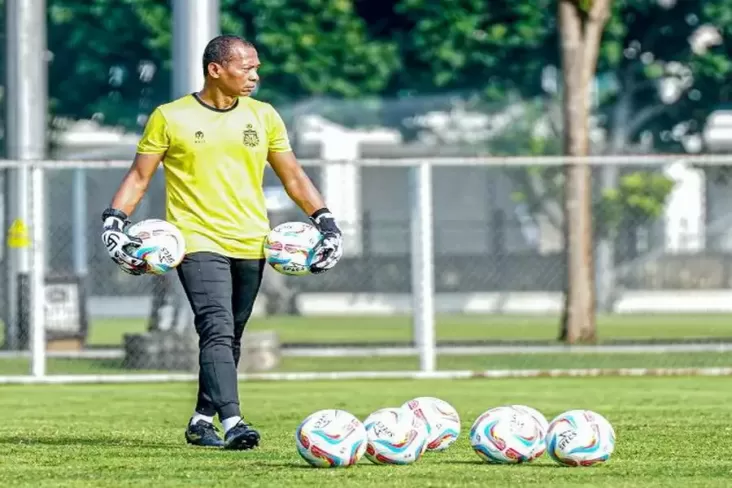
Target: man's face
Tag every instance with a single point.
(238, 76)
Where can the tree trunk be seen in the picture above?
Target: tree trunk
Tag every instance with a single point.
(581, 25)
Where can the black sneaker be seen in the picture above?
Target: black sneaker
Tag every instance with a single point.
(204, 434)
(241, 437)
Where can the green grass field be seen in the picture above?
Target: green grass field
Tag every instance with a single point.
(449, 328)
(330, 329)
(671, 432)
(474, 363)
(453, 327)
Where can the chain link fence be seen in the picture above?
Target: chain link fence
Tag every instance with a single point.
(662, 264)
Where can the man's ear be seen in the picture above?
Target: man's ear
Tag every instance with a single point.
(214, 70)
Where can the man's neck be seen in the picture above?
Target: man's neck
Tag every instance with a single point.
(213, 97)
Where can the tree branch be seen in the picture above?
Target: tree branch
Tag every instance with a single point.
(620, 113)
(538, 190)
(553, 113)
(599, 12)
(555, 121)
(538, 194)
(644, 116)
(595, 25)
(637, 87)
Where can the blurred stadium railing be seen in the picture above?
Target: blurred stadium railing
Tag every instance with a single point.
(664, 275)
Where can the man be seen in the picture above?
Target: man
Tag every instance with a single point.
(214, 146)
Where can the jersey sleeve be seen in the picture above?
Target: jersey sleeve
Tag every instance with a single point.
(277, 133)
(155, 138)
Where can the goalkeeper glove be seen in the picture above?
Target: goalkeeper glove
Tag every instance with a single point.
(118, 242)
(329, 250)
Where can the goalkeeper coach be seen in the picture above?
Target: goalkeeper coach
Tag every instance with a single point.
(214, 145)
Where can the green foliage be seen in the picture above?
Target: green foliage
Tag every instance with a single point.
(99, 48)
(328, 48)
(662, 52)
(504, 49)
(584, 5)
(465, 45)
(645, 43)
(640, 197)
(312, 48)
(714, 72)
(340, 49)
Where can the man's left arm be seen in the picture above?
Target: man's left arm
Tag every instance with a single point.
(302, 191)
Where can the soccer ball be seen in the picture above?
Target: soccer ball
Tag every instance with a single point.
(395, 436)
(538, 416)
(543, 425)
(506, 435)
(290, 247)
(331, 438)
(441, 419)
(580, 438)
(163, 246)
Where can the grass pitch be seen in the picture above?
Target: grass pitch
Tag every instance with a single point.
(671, 432)
(359, 329)
(21, 366)
(362, 329)
(396, 328)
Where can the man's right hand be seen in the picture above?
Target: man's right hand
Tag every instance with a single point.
(116, 240)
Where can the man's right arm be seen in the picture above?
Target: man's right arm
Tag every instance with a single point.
(115, 217)
(135, 183)
(150, 152)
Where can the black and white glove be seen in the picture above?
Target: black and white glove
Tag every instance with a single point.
(118, 242)
(330, 247)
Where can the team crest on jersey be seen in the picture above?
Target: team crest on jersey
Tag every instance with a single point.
(251, 139)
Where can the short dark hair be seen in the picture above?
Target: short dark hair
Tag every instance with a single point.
(218, 50)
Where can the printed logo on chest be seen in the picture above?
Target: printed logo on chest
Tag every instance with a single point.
(250, 136)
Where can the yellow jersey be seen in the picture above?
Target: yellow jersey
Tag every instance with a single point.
(214, 166)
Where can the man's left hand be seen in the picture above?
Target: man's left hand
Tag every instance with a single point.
(330, 248)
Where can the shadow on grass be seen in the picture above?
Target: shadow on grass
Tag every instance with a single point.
(366, 465)
(302, 465)
(286, 464)
(478, 462)
(66, 441)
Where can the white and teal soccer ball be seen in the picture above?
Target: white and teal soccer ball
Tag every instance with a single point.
(441, 419)
(543, 427)
(163, 246)
(506, 435)
(290, 247)
(331, 438)
(395, 436)
(580, 438)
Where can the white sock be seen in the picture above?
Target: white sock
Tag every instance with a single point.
(227, 424)
(197, 416)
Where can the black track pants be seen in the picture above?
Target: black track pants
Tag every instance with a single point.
(221, 292)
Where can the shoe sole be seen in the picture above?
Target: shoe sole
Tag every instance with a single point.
(209, 446)
(199, 444)
(250, 440)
